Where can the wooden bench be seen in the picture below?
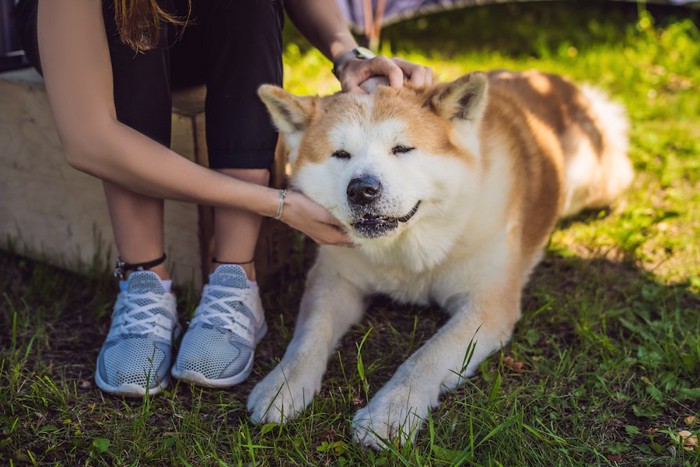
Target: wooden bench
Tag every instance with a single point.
(52, 212)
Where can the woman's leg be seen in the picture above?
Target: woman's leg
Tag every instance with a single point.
(240, 136)
(135, 357)
(234, 47)
(242, 49)
(142, 101)
(137, 225)
(137, 354)
(236, 231)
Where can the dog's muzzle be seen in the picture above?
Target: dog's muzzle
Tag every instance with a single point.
(373, 226)
(364, 195)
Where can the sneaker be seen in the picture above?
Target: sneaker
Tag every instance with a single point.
(136, 355)
(219, 347)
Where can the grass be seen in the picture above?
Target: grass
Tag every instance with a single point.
(604, 367)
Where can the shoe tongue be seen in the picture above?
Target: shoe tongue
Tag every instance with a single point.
(229, 275)
(140, 282)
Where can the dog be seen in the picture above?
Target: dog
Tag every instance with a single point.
(450, 194)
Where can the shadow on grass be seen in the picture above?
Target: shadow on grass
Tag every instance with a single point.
(608, 353)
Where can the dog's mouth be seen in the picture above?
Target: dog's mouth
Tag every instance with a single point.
(373, 226)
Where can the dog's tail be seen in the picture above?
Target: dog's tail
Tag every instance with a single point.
(615, 125)
(609, 171)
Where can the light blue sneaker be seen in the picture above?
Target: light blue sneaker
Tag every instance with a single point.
(218, 349)
(136, 355)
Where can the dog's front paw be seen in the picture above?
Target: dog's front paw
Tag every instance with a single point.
(392, 415)
(282, 395)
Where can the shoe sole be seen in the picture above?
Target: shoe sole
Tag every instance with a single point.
(129, 390)
(199, 379)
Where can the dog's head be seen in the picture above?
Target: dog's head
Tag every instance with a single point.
(387, 161)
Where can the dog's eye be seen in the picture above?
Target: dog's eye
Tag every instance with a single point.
(400, 149)
(341, 154)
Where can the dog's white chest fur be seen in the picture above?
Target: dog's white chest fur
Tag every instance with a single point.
(400, 283)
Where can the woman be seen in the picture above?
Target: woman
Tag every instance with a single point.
(109, 67)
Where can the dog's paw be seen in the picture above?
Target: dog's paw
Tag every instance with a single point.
(281, 395)
(391, 416)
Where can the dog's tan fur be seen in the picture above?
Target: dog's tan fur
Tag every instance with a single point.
(494, 161)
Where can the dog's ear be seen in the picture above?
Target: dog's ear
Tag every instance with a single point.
(462, 99)
(290, 114)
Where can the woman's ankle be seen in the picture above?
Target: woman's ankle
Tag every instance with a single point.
(162, 272)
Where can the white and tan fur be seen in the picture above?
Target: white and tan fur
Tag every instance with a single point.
(494, 160)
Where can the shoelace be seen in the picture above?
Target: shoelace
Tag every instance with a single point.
(148, 319)
(224, 315)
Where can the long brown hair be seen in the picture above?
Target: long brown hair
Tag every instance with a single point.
(139, 22)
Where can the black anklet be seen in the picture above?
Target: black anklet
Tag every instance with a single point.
(121, 268)
(216, 261)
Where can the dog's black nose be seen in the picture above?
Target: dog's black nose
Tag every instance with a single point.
(364, 190)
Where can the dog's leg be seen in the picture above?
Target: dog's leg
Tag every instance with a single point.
(480, 324)
(329, 307)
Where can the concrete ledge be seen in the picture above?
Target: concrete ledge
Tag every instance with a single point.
(52, 212)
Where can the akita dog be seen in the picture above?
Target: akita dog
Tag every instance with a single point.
(450, 195)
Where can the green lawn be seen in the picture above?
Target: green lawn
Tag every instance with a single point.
(604, 367)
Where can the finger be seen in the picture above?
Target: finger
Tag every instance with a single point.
(428, 76)
(336, 240)
(418, 77)
(339, 235)
(340, 240)
(325, 217)
(395, 76)
(332, 227)
(386, 67)
(353, 75)
(333, 236)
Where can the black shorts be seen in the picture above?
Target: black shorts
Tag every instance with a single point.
(232, 46)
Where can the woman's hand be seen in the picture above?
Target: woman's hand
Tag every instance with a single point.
(357, 71)
(303, 214)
